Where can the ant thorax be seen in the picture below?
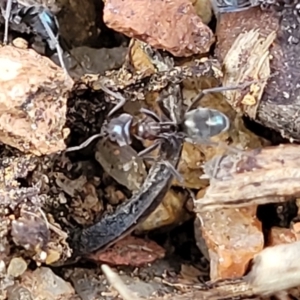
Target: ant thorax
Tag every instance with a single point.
(147, 129)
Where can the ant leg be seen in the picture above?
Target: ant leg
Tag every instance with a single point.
(55, 42)
(60, 57)
(7, 17)
(234, 149)
(84, 144)
(118, 96)
(220, 144)
(216, 166)
(156, 118)
(149, 149)
(173, 170)
(151, 114)
(191, 193)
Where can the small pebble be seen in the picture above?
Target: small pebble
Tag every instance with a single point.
(20, 43)
(19, 293)
(2, 267)
(17, 267)
(50, 285)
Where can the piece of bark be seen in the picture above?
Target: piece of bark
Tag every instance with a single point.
(253, 50)
(169, 25)
(233, 236)
(280, 104)
(32, 102)
(259, 176)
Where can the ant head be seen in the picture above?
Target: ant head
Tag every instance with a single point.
(118, 129)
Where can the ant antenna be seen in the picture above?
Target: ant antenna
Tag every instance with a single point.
(118, 96)
(84, 144)
(217, 90)
(149, 149)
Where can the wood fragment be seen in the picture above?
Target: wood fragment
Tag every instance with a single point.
(279, 106)
(253, 50)
(269, 175)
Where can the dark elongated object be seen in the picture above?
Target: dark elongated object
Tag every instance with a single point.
(113, 227)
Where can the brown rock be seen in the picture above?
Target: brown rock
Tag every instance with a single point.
(44, 284)
(77, 21)
(32, 102)
(295, 231)
(131, 251)
(296, 227)
(233, 237)
(170, 25)
(170, 211)
(279, 236)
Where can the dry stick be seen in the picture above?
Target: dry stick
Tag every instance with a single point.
(7, 17)
(117, 283)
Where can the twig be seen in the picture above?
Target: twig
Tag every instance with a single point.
(117, 283)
